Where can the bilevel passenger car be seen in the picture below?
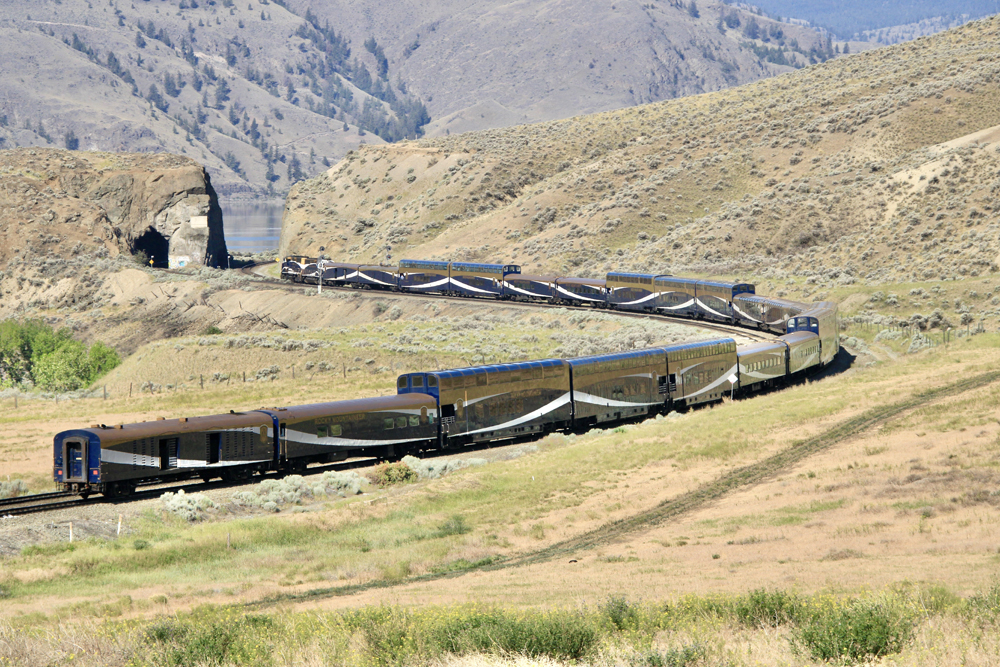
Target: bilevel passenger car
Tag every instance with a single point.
(501, 401)
(525, 287)
(376, 276)
(418, 275)
(471, 279)
(702, 372)
(633, 291)
(613, 387)
(766, 313)
(337, 273)
(386, 426)
(581, 292)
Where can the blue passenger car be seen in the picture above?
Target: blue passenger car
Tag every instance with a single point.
(702, 372)
(820, 319)
(623, 385)
(525, 287)
(767, 313)
(715, 299)
(376, 276)
(419, 275)
(493, 402)
(474, 279)
(337, 273)
(633, 291)
(582, 292)
(677, 296)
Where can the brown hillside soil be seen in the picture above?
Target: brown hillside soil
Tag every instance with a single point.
(815, 174)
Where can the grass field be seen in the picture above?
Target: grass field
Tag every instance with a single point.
(874, 482)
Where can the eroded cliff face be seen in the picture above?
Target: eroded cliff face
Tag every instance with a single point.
(58, 203)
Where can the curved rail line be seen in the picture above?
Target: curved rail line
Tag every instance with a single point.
(18, 506)
(273, 283)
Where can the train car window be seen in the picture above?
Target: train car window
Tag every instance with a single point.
(418, 381)
(281, 430)
(432, 381)
(335, 430)
(482, 379)
(401, 383)
(400, 422)
(414, 420)
(388, 424)
(320, 431)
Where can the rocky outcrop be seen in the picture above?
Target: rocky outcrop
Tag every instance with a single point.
(60, 203)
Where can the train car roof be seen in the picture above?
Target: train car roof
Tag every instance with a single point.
(798, 337)
(381, 267)
(631, 354)
(496, 368)
(591, 282)
(625, 274)
(466, 266)
(424, 263)
(721, 283)
(530, 276)
(697, 344)
(357, 405)
(758, 298)
(818, 308)
(339, 265)
(165, 427)
(763, 346)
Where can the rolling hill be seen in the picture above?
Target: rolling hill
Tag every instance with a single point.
(266, 93)
(877, 167)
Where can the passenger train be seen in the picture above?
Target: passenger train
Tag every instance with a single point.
(438, 410)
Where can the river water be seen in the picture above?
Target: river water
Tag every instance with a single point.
(252, 226)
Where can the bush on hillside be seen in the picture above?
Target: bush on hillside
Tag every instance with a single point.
(388, 474)
(32, 353)
(858, 631)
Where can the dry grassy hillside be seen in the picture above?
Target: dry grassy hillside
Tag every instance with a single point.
(877, 167)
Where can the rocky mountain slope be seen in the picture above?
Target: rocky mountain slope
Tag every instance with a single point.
(258, 94)
(56, 205)
(265, 93)
(488, 64)
(878, 167)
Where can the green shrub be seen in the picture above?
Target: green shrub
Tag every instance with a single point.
(683, 656)
(857, 631)
(761, 608)
(212, 331)
(454, 526)
(32, 352)
(985, 605)
(559, 635)
(387, 474)
(622, 614)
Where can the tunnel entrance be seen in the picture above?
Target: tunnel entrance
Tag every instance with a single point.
(155, 246)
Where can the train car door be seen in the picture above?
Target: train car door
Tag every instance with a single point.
(283, 440)
(168, 453)
(76, 461)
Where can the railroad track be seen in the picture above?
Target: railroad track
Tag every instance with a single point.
(277, 283)
(39, 502)
(34, 503)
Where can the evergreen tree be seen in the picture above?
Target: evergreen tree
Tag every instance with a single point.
(693, 9)
(71, 142)
(222, 91)
(156, 98)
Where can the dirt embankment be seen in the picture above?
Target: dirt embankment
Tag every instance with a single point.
(59, 204)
